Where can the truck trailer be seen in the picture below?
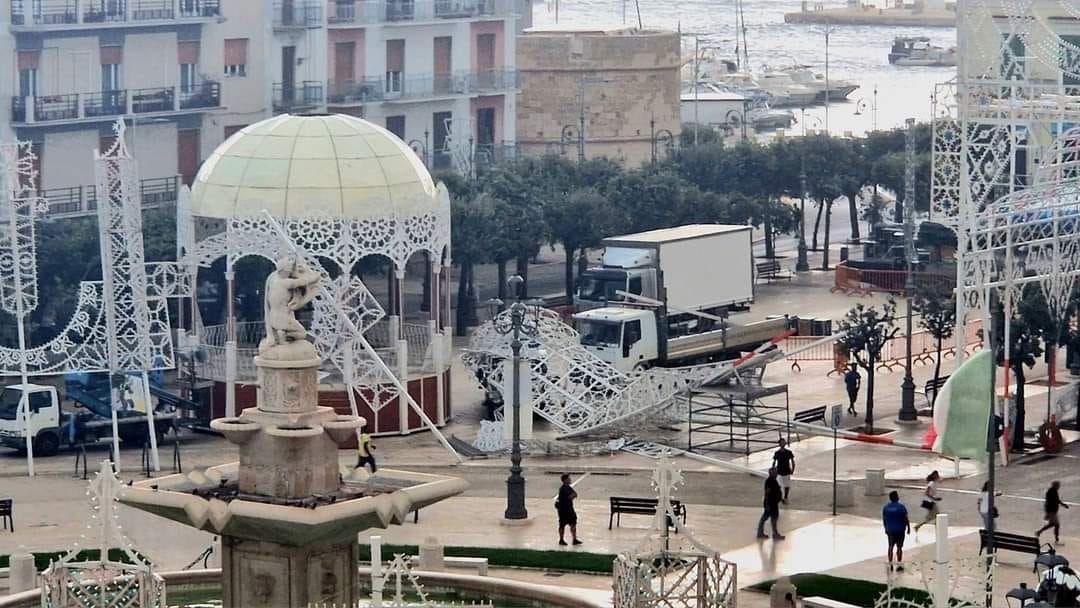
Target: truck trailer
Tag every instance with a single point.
(697, 267)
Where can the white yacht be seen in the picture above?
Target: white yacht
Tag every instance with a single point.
(838, 89)
(917, 51)
(781, 86)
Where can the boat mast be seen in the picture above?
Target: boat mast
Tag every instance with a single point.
(740, 29)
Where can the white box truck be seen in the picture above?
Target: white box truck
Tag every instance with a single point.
(681, 283)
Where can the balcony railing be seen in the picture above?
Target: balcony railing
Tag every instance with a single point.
(303, 95)
(82, 200)
(484, 82)
(289, 14)
(351, 92)
(105, 104)
(393, 11)
(52, 13)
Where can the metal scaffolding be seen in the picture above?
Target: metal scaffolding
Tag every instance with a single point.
(736, 417)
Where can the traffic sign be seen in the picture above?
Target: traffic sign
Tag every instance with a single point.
(837, 415)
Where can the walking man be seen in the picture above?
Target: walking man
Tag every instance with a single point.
(564, 506)
(1050, 512)
(365, 452)
(853, 381)
(783, 461)
(771, 502)
(894, 516)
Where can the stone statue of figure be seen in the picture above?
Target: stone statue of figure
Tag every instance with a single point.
(288, 289)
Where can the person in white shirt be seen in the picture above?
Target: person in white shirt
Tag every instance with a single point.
(930, 500)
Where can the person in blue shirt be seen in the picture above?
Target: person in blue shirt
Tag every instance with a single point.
(895, 518)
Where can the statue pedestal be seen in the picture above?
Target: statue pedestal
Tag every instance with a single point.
(256, 574)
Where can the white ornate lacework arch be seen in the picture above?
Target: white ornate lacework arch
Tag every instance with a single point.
(1006, 153)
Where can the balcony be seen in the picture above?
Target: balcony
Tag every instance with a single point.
(104, 105)
(72, 14)
(486, 82)
(302, 96)
(289, 14)
(345, 13)
(82, 200)
(353, 92)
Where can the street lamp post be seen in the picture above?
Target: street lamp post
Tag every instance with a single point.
(515, 326)
(568, 131)
(863, 105)
(802, 264)
(907, 388)
(663, 136)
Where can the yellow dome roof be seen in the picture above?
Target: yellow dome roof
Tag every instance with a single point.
(293, 166)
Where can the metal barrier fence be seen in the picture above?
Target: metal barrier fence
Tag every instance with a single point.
(861, 281)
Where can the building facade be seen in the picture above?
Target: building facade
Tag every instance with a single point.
(186, 74)
(623, 84)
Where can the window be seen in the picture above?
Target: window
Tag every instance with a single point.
(110, 77)
(187, 55)
(631, 333)
(236, 57)
(230, 129)
(39, 401)
(28, 73)
(635, 286)
(111, 58)
(396, 125)
(395, 65)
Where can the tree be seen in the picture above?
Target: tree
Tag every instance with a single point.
(937, 310)
(853, 176)
(866, 331)
(471, 216)
(578, 222)
(1024, 350)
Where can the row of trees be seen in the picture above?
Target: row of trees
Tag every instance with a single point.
(508, 212)
(1035, 330)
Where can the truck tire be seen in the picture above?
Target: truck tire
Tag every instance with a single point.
(47, 443)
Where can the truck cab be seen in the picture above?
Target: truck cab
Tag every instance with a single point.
(44, 417)
(625, 269)
(623, 337)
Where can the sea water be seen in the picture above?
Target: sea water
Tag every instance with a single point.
(856, 52)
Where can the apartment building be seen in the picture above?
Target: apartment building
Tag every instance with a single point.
(437, 73)
(186, 74)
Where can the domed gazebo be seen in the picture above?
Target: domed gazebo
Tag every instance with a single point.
(342, 189)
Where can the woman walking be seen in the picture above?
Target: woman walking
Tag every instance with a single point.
(930, 500)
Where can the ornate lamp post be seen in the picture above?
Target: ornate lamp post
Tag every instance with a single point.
(907, 388)
(519, 323)
(864, 105)
(421, 148)
(662, 137)
(802, 264)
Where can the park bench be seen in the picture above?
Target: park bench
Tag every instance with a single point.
(479, 563)
(641, 506)
(807, 416)
(771, 271)
(1019, 543)
(7, 506)
(931, 390)
(816, 601)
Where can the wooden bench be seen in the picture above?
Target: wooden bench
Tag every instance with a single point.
(933, 387)
(479, 563)
(771, 271)
(807, 416)
(7, 507)
(1007, 541)
(816, 601)
(641, 506)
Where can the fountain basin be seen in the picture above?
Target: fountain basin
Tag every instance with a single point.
(235, 430)
(343, 428)
(380, 501)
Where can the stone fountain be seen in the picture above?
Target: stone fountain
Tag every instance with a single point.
(287, 513)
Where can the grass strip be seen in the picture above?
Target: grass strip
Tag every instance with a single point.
(573, 561)
(847, 590)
